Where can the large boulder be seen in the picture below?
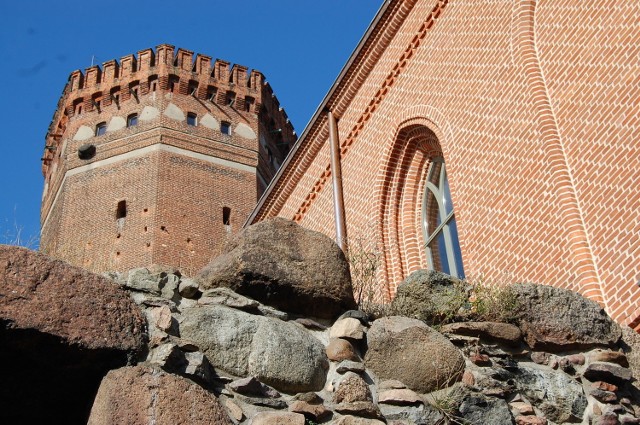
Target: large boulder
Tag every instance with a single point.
(61, 330)
(410, 351)
(277, 353)
(555, 319)
(431, 296)
(281, 264)
(143, 395)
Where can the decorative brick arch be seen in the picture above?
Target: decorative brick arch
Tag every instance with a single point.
(399, 188)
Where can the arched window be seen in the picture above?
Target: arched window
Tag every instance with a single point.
(439, 223)
(101, 128)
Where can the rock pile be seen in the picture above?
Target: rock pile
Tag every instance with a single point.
(217, 356)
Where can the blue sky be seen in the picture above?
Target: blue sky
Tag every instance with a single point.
(300, 46)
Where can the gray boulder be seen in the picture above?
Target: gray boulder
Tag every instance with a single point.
(277, 353)
(555, 319)
(480, 410)
(560, 397)
(410, 351)
(430, 296)
(279, 263)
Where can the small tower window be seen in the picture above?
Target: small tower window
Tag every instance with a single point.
(231, 98)
(212, 92)
(121, 211)
(225, 128)
(226, 216)
(248, 103)
(132, 120)
(192, 119)
(153, 83)
(101, 128)
(193, 88)
(173, 83)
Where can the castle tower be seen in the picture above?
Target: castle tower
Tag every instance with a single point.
(157, 159)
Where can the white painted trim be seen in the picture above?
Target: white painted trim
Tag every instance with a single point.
(137, 153)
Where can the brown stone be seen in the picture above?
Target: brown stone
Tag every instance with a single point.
(604, 386)
(540, 357)
(608, 418)
(604, 396)
(607, 372)
(316, 411)
(576, 359)
(354, 420)
(340, 349)
(234, 411)
(530, 420)
(359, 408)
(400, 397)
(480, 359)
(162, 316)
(278, 418)
(524, 409)
(610, 357)
(61, 329)
(144, 394)
(490, 331)
(352, 388)
(468, 379)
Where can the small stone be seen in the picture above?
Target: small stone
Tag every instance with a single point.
(251, 386)
(234, 411)
(399, 397)
(597, 410)
(540, 357)
(166, 356)
(356, 314)
(530, 420)
(263, 401)
(610, 357)
(524, 409)
(353, 420)
(352, 388)
(168, 284)
(604, 386)
(163, 318)
(278, 418)
(566, 366)
(198, 366)
(609, 418)
(141, 280)
(359, 408)
(310, 324)
(391, 384)
(188, 288)
(607, 372)
(347, 328)
(503, 333)
(268, 311)
(576, 359)
(350, 366)
(316, 411)
(480, 359)
(628, 419)
(468, 379)
(340, 349)
(226, 297)
(311, 398)
(603, 396)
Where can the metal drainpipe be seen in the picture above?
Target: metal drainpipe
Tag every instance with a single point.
(336, 179)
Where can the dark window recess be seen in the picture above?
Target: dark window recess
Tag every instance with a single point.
(132, 120)
(101, 128)
(225, 128)
(86, 151)
(248, 103)
(231, 98)
(193, 88)
(121, 211)
(192, 119)
(173, 83)
(226, 216)
(212, 92)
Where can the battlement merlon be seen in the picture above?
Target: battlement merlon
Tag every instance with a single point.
(163, 61)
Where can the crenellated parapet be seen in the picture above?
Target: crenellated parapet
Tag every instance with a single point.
(164, 69)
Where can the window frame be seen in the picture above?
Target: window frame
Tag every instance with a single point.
(132, 120)
(192, 119)
(101, 128)
(447, 226)
(227, 125)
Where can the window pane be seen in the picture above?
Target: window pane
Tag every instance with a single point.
(431, 217)
(438, 250)
(446, 199)
(191, 119)
(457, 254)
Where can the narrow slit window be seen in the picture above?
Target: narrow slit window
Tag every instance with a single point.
(192, 119)
(226, 216)
(121, 210)
(231, 98)
(225, 128)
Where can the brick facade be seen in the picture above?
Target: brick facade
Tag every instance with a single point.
(170, 179)
(534, 107)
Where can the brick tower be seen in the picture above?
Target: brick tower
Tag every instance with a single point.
(157, 159)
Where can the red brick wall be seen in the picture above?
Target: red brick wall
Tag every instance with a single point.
(534, 105)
